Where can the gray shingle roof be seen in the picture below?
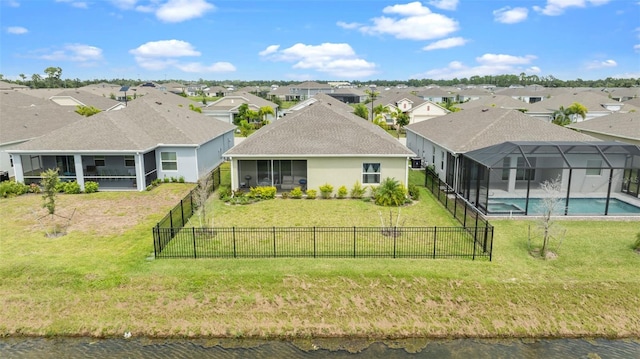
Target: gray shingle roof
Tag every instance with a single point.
(319, 130)
(472, 129)
(89, 99)
(591, 100)
(625, 125)
(146, 122)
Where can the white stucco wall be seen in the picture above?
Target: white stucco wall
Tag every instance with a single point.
(346, 171)
(187, 163)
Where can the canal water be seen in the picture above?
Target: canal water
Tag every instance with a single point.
(36, 348)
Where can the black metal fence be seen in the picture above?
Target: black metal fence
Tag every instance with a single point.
(179, 215)
(318, 242)
(463, 211)
(473, 240)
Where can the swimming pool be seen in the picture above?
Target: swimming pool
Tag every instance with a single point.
(577, 206)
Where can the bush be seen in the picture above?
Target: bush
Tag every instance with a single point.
(167, 180)
(285, 195)
(34, 188)
(636, 245)
(71, 187)
(12, 188)
(224, 193)
(312, 194)
(173, 179)
(296, 193)
(342, 192)
(358, 191)
(390, 193)
(414, 192)
(149, 187)
(326, 190)
(90, 187)
(262, 192)
(181, 179)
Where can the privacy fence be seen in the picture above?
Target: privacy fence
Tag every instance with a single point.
(472, 240)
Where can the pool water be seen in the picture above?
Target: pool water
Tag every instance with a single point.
(577, 206)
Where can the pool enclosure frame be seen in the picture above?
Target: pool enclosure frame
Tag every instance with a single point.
(599, 169)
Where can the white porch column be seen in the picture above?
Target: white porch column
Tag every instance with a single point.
(140, 175)
(513, 162)
(77, 160)
(17, 168)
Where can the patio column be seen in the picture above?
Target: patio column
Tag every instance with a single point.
(513, 163)
(140, 172)
(77, 159)
(17, 168)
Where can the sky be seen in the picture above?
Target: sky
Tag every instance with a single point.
(323, 40)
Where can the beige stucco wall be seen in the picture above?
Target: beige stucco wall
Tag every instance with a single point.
(346, 171)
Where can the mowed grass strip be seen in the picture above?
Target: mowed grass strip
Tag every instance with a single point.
(98, 280)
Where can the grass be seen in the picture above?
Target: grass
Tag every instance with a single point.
(102, 284)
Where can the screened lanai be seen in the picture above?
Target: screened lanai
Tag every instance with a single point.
(597, 178)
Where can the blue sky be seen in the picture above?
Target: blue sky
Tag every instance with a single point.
(320, 40)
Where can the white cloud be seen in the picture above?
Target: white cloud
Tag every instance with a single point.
(348, 26)
(444, 4)
(601, 64)
(165, 48)
(76, 4)
(411, 21)
(637, 47)
(159, 55)
(182, 10)
(488, 65)
(17, 30)
(507, 15)
(269, 50)
(339, 60)
(124, 4)
(446, 43)
(557, 7)
(196, 67)
(76, 53)
(11, 3)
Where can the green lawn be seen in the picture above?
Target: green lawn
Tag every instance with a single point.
(100, 280)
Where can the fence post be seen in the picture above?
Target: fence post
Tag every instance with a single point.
(435, 238)
(395, 236)
(156, 240)
(182, 213)
(464, 223)
(193, 232)
(314, 241)
(233, 235)
(354, 241)
(274, 242)
(475, 244)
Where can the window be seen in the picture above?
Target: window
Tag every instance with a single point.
(433, 155)
(370, 173)
(522, 174)
(98, 161)
(442, 160)
(169, 161)
(594, 167)
(129, 161)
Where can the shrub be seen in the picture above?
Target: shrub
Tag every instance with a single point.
(149, 187)
(12, 188)
(636, 245)
(224, 193)
(181, 179)
(173, 179)
(285, 195)
(156, 182)
(296, 193)
(414, 192)
(342, 192)
(358, 191)
(71, 187)
(390, 193)
(166, 180)
(326, 190)
(60, 186)
(262, 192)
(312, 194)
(34, 188)
(90, 187)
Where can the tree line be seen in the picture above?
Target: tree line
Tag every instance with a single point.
(53, 79)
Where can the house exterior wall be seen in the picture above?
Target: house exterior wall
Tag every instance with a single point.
(209, 155)
(425, 111)
(187, 163)
(346, 171)
(430, 153)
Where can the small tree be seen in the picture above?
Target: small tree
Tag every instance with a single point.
(550, 205)
(245, 128)
(49, 184)
(200, 196)
(87, 111)
(390, 193)
(361, 110)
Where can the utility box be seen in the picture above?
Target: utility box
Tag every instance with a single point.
(416, 162)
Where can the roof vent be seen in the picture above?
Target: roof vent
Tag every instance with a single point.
(485, 109)
(158, 103)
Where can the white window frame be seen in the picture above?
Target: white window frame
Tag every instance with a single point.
(168, 161)
(594, 171)
(128, 158)
(368, 169)
(99, 158)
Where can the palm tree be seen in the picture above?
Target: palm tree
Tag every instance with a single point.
(264, 111)
(401, 119)
(361, 111)
(372, 96)
(390, 193)
(564, 116)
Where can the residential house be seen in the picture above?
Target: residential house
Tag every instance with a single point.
(495, 101)
(11, 86)
(416, 108)
(225, 109)
(348, 95)
(155, 136)
(301, 91)
(493, 157)
(75, 98)
(597, 104)
(26, 117)
(530, 94)
(436, 95)
(318, 145)
(622, 127)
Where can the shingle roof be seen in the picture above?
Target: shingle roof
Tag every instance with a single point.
(591, 100)
(625, 125)
(146, 122)
(319, 130)
(472, 129)
(25, 117)
(89, 99)
(498, 101)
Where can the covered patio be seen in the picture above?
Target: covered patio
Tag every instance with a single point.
(285, 175)
(514, 170)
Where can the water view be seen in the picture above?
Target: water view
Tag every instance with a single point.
(577, 206)
(317, 348)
